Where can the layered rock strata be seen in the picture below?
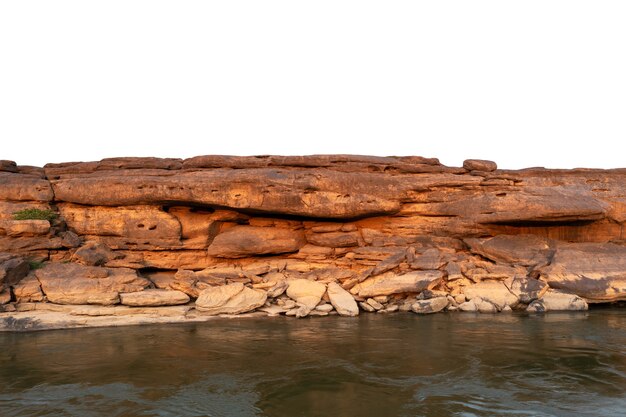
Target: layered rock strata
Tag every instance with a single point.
(303, 236)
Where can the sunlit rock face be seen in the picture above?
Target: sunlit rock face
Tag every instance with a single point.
(308, 236)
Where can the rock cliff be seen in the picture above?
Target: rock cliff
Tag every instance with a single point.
(302, 236)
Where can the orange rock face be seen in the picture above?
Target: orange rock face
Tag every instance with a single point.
(389, 229)
(246, 241)
(77, 284)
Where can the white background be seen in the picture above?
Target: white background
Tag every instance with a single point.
(525, 83)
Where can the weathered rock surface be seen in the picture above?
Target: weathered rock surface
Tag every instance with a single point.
(306, 293)
(47, 316)
(429, 259)
(469, 306)
(432, 305)
(479, 165)
(596, 272)
(392, 283)
(124, 227)
(524, 250)
(230, 299)
(497, 293)
(19, 228)
(5, 297)
(242, 241)
(310, 234)
(77, 284)
(162, 259)
(187, 282)
(19, 187)
(8, 166)
(554, 300)
(12, 269)
(334, 195)
(526, 289)
(342, 300)
(28, 289)
(334, 239)
(374, 304)
(94, 254)
(485, 306)
(154, 298)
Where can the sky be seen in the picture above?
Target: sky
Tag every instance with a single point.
(523, 83)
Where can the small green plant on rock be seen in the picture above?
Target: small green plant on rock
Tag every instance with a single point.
(35, 264)
(34, 214)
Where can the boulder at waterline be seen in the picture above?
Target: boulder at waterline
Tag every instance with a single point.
(432, 305)
(554, 300)
(233, 298)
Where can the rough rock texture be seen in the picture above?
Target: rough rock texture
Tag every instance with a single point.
(496, 292)
(391, 283)
(594, 271)
(78, 284)
(554, 300)
(306, 293)
(230, 299)
(19, 228)
(12, 269)
(28, 289)
(342, 301)
(526, 290)
(94, 253)
(312, 235)
(243, 241)
(153, 298)
(479, 165)
(432, 305)
(524, 250)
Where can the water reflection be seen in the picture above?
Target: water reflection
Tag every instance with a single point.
(404, 364)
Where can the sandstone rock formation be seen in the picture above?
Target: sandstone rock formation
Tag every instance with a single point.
(557, 300)
(432, 305)
(594, 271)
(342, 301)
(230, 299)
(77, 284)
(244, 241)
(391, 283)
(495, 292)
(154, 298)
(306, 293)
(309, 236)
(12, 269)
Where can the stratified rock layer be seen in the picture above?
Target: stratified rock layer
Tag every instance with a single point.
(309, 235)
(78, 284)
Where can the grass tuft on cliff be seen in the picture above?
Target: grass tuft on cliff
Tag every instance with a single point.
(34, 214)
(35, 264)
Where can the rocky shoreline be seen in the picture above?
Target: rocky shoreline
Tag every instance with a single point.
(147, 240)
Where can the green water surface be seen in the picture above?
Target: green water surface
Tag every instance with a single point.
(557, 364)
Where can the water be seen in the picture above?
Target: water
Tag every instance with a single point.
(559, 364)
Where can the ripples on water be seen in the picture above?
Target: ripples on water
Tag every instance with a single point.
(565, 364)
